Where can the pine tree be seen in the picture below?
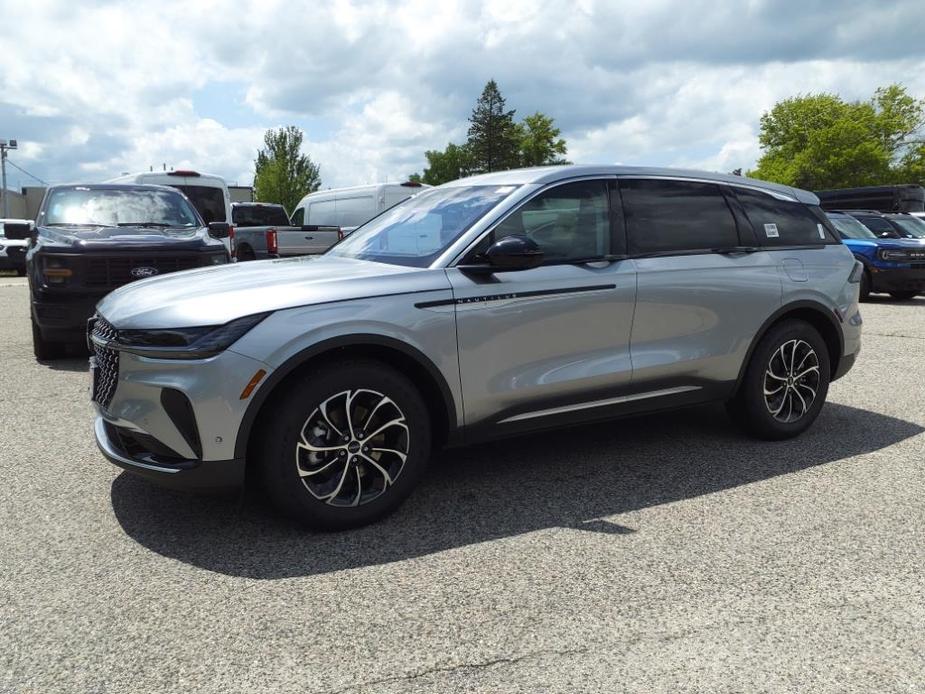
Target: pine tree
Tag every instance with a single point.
(494, 138)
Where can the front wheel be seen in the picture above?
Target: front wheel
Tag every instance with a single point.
(785, 383)
(864, 293)
(45, 350)
(345, 445)
(903, 296)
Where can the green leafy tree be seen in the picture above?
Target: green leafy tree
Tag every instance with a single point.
(819, 141)
(540, 144)
(494, 138)
(282, 173)
(447, 165)
(415, 178)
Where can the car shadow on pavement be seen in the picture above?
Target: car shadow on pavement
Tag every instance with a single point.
(75, 364)
(571, 478)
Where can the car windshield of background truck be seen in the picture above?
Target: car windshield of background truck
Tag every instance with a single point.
(911, 226)
(80, 206)
(850, 228)
(208, 200)
(419, 229)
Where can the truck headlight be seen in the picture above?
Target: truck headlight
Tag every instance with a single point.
(893, 254)
(186, 343)
(55, 270)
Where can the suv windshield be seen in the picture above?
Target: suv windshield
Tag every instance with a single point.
(415, 232)
(259, 216)
(850, 228)
(81, 206)
(910, 226)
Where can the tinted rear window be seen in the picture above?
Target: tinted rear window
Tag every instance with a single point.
(210, 202)
(782, 222)
(664, 216)
(259, 216)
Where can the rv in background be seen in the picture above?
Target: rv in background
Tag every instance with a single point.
(208, 193)
(899, 198)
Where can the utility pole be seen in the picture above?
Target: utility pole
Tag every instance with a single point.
(4, 147)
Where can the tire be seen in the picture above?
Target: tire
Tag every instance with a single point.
(903, 296)
(314, 486)
(45, 350)
(754, 411)
(865, 286)
(20, 272)
(246, 253)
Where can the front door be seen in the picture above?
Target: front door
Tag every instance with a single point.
(540, 342)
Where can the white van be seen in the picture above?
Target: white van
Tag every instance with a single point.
(208, 192)
(348, 208)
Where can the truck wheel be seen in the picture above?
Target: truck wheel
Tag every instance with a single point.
(903, 296)
(345, 445)
(45, 350)
(865, 286)
(785, 384)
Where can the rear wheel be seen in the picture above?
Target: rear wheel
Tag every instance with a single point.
(45, 350)
(903, 296)
(345, 445)
(785, 384)
(246, 253)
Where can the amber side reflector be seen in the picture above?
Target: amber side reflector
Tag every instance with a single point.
(251, 384)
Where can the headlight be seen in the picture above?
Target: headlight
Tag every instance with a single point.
(904, 255)
(186, 343)
(55, 271)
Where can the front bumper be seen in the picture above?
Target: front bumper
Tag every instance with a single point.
(197, 475)
(897, 280)
(64, 317)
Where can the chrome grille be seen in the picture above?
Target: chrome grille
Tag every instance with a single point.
(106, 373)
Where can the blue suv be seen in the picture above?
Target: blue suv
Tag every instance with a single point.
(895, 266)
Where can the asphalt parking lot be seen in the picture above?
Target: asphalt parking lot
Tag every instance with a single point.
(660, 554)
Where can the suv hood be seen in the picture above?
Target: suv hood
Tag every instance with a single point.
(884, 243)
(216, 295)
(96, 237)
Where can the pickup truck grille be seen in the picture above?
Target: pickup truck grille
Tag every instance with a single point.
(106, 373)
(116, 271)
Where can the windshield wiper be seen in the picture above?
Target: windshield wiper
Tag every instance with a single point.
(159, 225)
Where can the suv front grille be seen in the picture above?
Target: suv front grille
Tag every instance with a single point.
(116, 271)
(106, 374)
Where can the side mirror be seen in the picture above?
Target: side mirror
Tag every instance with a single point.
(219, 230)
(517, 252)
(16, 231)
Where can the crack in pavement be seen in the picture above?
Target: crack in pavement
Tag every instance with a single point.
(461, 666)
(910, 337)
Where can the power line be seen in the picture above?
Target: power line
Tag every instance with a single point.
(16, 166)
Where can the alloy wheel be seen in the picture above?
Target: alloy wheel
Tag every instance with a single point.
(791, 381)
(352, 448)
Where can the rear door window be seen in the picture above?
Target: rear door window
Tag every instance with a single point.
(664, 216)
(259, 216)
(210, 202)
(782, 222)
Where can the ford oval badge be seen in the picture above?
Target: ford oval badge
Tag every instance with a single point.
(139, 272)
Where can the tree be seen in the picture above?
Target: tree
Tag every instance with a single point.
(540, 144)
(283, 174)
(819, 141)
(452, 163)
(494, 138)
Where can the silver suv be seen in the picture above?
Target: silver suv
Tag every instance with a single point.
(489, 306)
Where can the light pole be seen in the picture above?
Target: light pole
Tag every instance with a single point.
(4, 148)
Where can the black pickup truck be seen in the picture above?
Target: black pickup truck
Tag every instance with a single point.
(91, 239)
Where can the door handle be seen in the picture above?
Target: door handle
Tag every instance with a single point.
(309, 238)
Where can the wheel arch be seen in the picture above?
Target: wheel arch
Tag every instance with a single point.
(402, 356)
(821, 317)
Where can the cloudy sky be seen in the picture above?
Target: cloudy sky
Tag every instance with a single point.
(94, 89)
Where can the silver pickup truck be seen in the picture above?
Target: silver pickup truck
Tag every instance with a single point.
(263, 230)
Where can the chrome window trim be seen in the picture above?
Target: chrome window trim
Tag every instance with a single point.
(598, 403)
(773, 193)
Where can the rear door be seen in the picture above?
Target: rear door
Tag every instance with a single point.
(703, 290)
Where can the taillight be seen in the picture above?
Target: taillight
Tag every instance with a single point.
(272, 246)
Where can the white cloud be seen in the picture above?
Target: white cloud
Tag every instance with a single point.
(94, 89)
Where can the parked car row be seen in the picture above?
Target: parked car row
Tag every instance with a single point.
(489, 306)
(13, 250)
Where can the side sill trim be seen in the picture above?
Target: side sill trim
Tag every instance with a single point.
(598, 403)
